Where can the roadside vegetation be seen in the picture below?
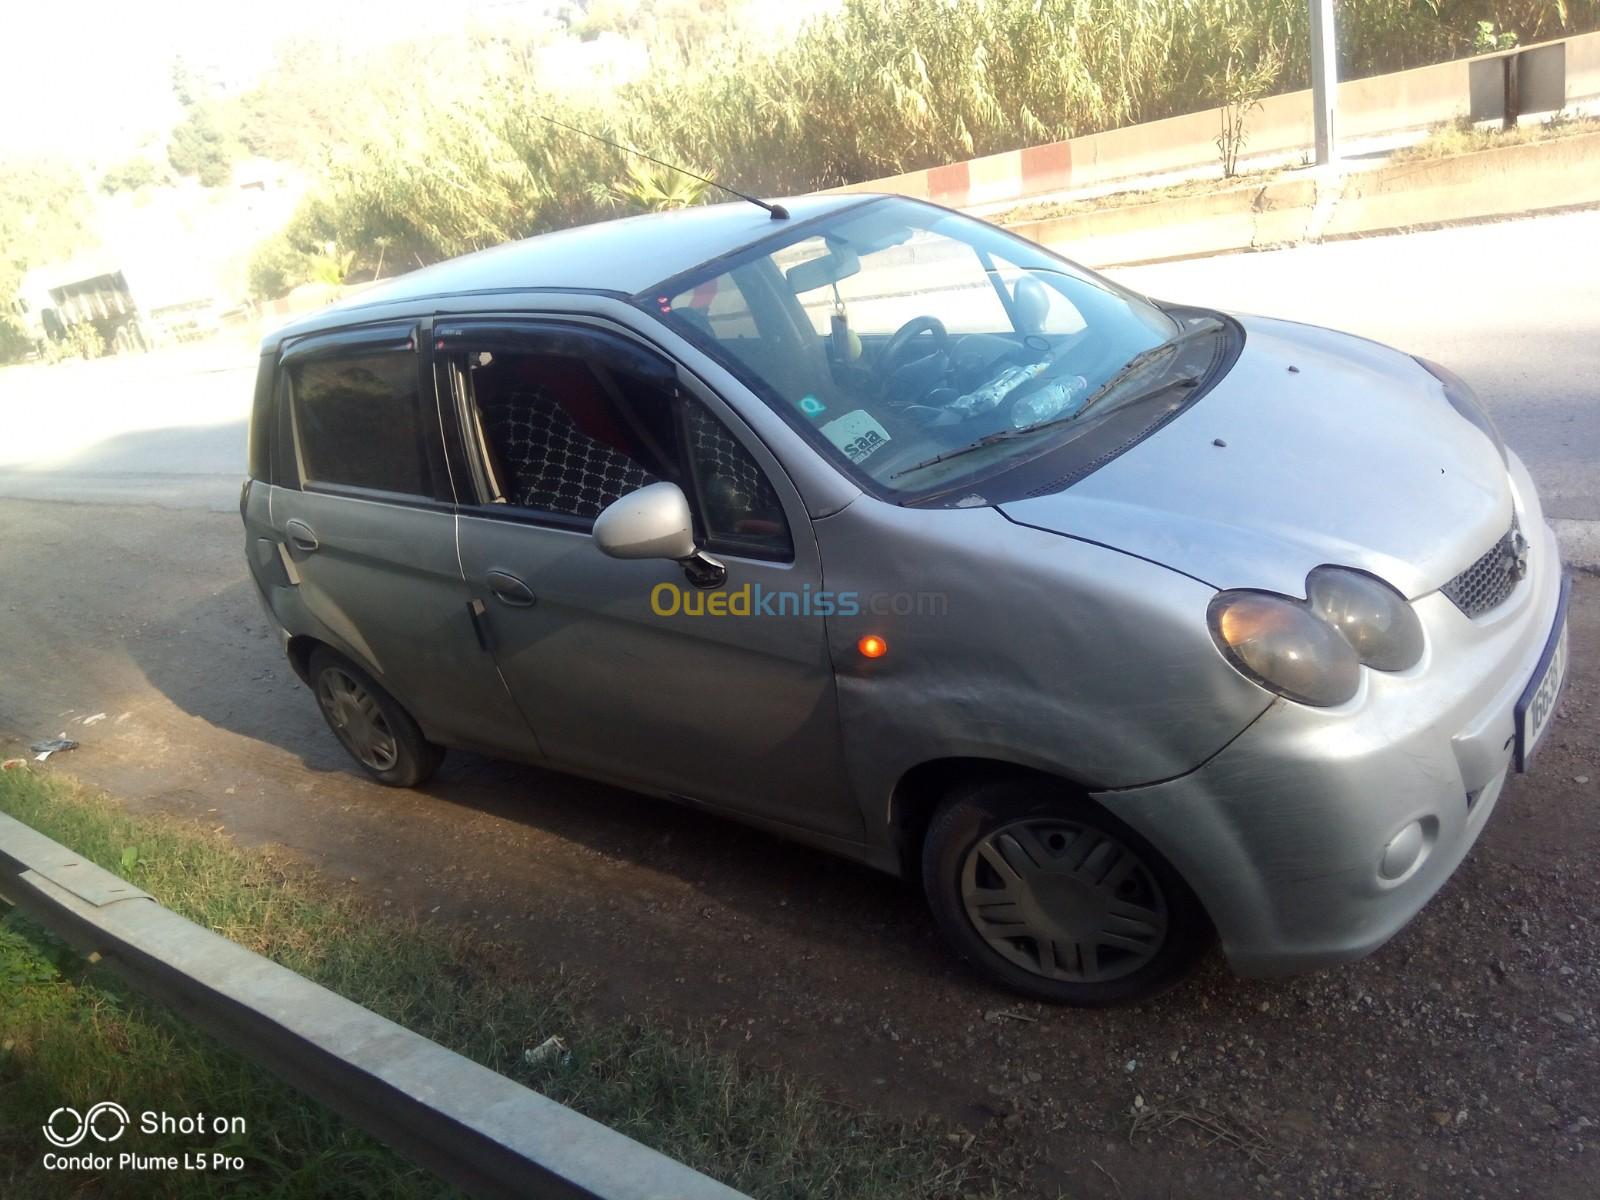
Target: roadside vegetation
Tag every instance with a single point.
(1045, 210)
(883, 86)
(1446, 141)
(419, 150)
(1464, 137)
(72, 1033)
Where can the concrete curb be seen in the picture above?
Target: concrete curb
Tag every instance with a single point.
(1580, 544)
(1508, 181)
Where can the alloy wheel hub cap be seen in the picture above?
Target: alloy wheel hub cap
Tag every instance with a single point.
(1064, 900)
(359, 721)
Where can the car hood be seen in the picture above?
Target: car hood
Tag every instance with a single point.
(1317, 447)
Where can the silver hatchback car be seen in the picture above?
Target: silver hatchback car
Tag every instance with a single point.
(1117, 624)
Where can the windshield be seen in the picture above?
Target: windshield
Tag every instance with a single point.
(919, 349)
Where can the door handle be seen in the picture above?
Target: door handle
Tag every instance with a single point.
(301, 536)
(508, 589)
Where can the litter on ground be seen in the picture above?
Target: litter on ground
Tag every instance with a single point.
(43, 749)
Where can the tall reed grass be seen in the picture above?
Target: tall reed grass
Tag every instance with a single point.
(883, 86)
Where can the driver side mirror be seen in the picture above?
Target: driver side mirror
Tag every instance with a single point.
(655, 522)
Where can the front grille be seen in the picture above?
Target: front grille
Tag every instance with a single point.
(1489, 582)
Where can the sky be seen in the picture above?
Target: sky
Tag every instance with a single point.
(82, 73)
(92, 78)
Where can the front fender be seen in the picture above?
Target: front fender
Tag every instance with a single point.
(1011, 643)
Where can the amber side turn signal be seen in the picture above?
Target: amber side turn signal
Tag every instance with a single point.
(872, 646)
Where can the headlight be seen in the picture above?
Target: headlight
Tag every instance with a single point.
(1285, 647)
(1312, 650)
(1375, 619)
(1465, 401)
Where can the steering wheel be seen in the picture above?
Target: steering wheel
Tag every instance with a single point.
(895, 348)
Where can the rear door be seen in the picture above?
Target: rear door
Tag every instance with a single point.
(365, 520)
(735, 706)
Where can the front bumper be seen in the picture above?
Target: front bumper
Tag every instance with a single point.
(1283, 834)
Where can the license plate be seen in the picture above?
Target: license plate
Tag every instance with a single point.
(1537, 707)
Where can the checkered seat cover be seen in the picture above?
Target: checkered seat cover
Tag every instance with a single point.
(736, 488)
(552, 464)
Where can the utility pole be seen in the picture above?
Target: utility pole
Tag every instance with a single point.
(1324, 79)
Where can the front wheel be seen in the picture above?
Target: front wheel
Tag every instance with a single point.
(1047, 894)
(370, 723)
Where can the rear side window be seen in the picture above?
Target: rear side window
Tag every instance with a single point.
(356, 422)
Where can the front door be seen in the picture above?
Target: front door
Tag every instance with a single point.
(625, 670)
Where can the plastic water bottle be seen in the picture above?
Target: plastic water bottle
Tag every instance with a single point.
(1058, 398)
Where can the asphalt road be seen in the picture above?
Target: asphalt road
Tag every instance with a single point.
(1513, 308)
(1461, 1060)
(166, 429)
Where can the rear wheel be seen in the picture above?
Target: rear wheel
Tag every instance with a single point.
(1047, 894)
(369, 723)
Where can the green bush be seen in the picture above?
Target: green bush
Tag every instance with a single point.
(130, 176)
(81, 341)
(275, 267)
(205, 144)
(15, 344)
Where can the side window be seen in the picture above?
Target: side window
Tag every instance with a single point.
(556, 440)
(356, 422)
(561, 436)
(739, 508)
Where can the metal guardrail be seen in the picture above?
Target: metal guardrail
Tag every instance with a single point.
(477, 1129)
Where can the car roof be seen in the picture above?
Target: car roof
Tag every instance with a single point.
(622, 257)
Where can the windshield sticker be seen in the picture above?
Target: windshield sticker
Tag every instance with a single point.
(811, 406)
(857, 434)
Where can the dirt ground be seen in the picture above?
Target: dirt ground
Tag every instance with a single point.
(1462, 1060)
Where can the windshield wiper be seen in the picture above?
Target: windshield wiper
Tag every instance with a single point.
(1132, 367)
(1142, 360)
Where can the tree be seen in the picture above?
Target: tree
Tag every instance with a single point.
(205, 145)
(206, 142)
(138, 172)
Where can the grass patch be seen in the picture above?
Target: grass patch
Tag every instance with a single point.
(1463, 137)
(71, 1033)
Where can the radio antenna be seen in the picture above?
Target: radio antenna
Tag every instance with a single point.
(778, 211)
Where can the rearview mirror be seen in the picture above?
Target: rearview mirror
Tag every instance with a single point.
(655, 522)
(840, 262)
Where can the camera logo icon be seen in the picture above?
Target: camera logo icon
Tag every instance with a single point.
(106, 1121)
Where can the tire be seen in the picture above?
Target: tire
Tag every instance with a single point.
(369, 723)
(1076, 908)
